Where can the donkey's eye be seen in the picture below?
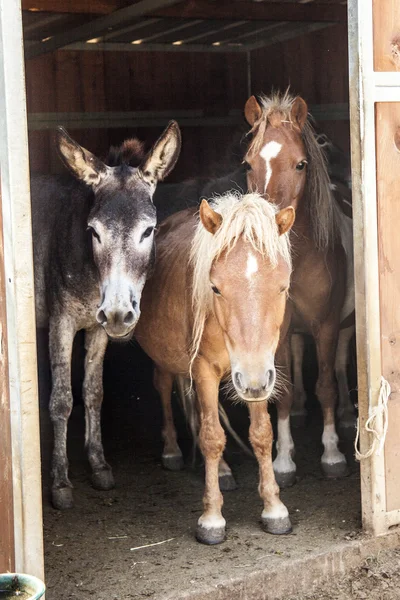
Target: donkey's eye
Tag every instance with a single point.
(215, 290)
(94, 234)
(301, 165)
(147, 233)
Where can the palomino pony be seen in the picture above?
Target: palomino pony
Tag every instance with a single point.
(93, 251)
(197, 320)
(287, 166)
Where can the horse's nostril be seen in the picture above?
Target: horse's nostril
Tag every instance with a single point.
(238, 380)
(129, 318)
(101, 317)
(269, 378)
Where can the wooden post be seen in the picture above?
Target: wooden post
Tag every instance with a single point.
(24, 451)
(375, 118)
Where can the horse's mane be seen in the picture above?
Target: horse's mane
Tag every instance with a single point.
(249, 217)
(318, 195)
(131, 152)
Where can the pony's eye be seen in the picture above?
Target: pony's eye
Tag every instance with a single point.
(215, 290)
(147, 233)
(94, 234)
(283, 290)
(301, 165)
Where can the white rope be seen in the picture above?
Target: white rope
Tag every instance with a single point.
(378, 413)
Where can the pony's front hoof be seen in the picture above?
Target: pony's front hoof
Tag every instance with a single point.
(285, 479)
(172, 462)
(277, 526)
(335, 470)
(103, 480)
(227, 483)
(212, 536)
(61, 498)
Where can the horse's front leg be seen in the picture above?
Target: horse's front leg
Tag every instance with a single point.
(346, 411)
(284, 465)
(211, 525)
(61, 337)
(95, 346)
(333, 461)
(298, 413)
(172, 456)
(275, 516)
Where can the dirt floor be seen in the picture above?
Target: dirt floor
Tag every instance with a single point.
(98, 549)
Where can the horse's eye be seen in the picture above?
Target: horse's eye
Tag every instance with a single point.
(147, 233)
(215, 290)
(247, 166)
(94, 234)
(301, 165)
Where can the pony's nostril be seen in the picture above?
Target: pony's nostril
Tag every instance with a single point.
(269, 378)
(238, 380)
(101, 317)
(129, 318)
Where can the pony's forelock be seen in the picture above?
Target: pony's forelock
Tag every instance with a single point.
(248, 217)
(317, 194)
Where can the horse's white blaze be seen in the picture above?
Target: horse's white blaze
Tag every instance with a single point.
(283, 462)
(252, 265)
(332, 454)
(270, 151)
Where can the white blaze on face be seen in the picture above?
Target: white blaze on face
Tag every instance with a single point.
(270, 151)
(252, 265)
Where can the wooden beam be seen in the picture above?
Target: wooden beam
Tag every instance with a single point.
(7, 558)
(96, 27)
(204, 9)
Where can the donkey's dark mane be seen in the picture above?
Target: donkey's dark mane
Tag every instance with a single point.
(131, 153)
(320, 203)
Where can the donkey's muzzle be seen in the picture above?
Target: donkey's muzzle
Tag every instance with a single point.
(119, 323)
(254, 389)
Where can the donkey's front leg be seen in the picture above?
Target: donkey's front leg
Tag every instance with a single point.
(284, 465)
(61, 337)
(333, 462)
(172, 456)
(95, 346)
(275, 516)
(211, 525)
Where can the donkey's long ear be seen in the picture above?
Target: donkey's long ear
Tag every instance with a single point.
(210, 219)
(252, 111)
(298, 114)
(83, 164)
(164, 154)
(285, 219)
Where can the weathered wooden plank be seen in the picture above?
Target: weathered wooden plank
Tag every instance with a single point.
(386, 35)
(388, 180)
(7, 560)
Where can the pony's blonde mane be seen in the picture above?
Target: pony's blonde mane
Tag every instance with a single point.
(248, 217)
(317, 194)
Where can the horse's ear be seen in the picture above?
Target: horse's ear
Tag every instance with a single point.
(210, 219)
(285, 219)
(164, 154)
(83, 164)
(299, 112)
(252, 111)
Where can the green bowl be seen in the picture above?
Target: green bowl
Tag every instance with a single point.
(18, 586)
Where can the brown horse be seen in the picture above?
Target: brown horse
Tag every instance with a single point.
(215, 306)
(287, 166)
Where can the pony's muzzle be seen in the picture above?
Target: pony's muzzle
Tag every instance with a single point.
(254, 389)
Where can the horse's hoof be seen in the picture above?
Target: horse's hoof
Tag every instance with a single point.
(227, 483)
(62, 498)
(279, 526)
(212, 536)
(285, 479)
(172, 462)
(335, 470)
(103, 480)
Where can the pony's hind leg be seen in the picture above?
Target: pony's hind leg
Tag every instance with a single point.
(298, 412)
(95, 346)
(227, 481)
(275, 516)
(284, 465)
(172, 456)
(333, 461)
(61, 337)
(346, 410)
